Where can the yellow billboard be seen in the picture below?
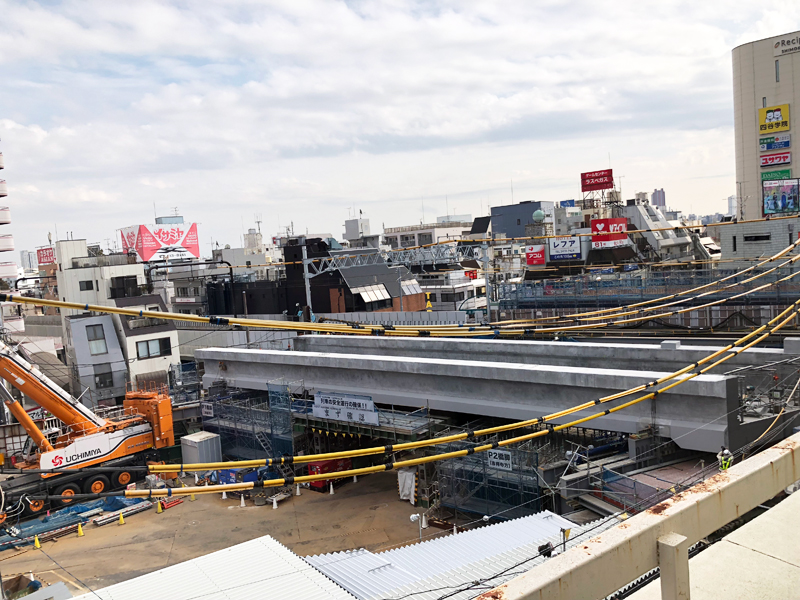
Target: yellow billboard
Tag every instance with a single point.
(773, 119)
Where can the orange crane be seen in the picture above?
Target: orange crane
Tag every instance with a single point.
(85, 440)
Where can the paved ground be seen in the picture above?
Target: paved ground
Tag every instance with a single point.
(366, 514)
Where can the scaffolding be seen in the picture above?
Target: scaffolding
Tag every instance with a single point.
(482, 484)
(252, 424)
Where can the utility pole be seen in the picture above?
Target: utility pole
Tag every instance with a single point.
(307, 276)
(246, 314)
(485, 259)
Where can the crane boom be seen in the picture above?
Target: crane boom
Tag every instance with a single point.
(29, 380)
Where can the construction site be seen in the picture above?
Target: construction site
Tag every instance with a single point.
(591, 398)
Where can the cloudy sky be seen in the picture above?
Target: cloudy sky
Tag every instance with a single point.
(303, 111)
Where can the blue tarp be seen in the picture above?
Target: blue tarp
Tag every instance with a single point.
(69, 515)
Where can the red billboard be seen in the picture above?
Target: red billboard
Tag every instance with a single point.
(157, 242)
(609, 233)
(46, 256)
(597, 180)
(534, 255)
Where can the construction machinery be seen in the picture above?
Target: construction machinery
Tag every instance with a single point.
(128, 436)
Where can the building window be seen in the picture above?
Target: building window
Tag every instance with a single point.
(153, 348)
(85, 286)
(431, 297)
(519, 222)
(97, 339)
(103, 377)
(777, 71)
(761, 237)
(182, 292)
(425, 238)
(734, 243)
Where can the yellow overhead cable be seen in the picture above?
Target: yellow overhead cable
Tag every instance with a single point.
(491, 430)
(445, 456)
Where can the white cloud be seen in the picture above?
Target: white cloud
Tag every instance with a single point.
(301, 109)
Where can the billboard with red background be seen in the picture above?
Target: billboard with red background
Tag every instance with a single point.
(46, 256)
(601, 238)
(534, 255)
(597, 180)
(157, 242)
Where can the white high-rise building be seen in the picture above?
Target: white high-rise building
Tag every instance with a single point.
(732, 206)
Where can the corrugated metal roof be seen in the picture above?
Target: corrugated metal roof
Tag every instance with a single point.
(247, 570)
(449, 563)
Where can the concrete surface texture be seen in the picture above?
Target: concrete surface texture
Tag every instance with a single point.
(697, 414)
(634, 355)
(366, 514)
(759, 560)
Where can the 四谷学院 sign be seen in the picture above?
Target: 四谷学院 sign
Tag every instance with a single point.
(565, 248)
(773, 119)
(345, 407)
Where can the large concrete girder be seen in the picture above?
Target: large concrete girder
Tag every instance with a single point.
(634, 355)
(696, 414)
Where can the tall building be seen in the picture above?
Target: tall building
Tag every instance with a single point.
(28, 260)
(658, 198)
(732, 205)
(765, 75)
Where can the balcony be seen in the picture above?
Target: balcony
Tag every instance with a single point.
(5, 215)
(112, 260)
(2, 164)
(8, 270)
(116, 293)
(3, 188)
(142, 322)
(6, 242)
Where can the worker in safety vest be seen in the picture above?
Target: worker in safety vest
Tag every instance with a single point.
(725, 459)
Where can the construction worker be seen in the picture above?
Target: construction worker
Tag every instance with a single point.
(725, 459)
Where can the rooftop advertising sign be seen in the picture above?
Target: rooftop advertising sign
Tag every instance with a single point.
(787, 44)
(160, 242)
(601, 238)
(46, 256)
(565, 248)
(534, 255)
(597, 180)
(773, 119)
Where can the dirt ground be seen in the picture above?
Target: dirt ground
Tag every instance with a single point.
(366, 514)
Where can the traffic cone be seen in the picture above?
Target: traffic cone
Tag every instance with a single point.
(159, 507)
(331, 488)
(121, 519)
(241, 503)
(297, 492)
(80, 530)
(36, 543)
(224, 495)
(355, 478)
(192, 498)
(274, 503)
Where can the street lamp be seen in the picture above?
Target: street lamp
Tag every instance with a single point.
(415, 518)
